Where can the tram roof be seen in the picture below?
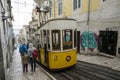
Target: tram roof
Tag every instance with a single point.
(60, 23)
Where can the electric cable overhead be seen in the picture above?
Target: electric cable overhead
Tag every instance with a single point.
(21, 3)
(19, 12)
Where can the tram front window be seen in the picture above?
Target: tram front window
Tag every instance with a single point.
(56, 39)
(67, 39)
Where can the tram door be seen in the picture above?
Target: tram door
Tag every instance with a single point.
(78, 41)
(108, 42)
(45, 46)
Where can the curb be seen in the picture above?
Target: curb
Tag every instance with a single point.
(106, 55)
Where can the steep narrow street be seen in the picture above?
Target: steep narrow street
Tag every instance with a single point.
(72, 39)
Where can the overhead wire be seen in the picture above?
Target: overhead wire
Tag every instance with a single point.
(23, 3)
(18, 11)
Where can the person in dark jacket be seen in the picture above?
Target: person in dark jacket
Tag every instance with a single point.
(23, 49)
(28, 45)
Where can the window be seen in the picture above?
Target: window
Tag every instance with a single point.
(67, 39)
(76, 4)
(33, 38)
(79, 3)
(38, 43)
(40, 38)
(44, 37)
(48, 39)
(56, 39)
(50, 8)
(75, 38)
(50, 13)
(60, 8)
(103, 0)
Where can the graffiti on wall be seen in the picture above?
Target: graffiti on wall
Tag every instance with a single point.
(90, 40)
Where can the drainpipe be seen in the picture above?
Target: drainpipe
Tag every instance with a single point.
(88, 20)
(88, 16)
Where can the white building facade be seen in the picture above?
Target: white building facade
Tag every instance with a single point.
(6, 38)
(104, 22)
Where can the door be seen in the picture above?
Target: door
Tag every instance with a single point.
(78, 41)
(108, 42)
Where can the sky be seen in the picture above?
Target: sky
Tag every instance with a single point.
(22, 11)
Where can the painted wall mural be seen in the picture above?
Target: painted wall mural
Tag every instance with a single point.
(90, 40)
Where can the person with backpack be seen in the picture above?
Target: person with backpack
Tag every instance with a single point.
(32, 52)
(23, 49)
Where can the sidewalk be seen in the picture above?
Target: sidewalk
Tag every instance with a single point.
(16, 73)
(113, 63)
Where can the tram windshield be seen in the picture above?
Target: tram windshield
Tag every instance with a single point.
(67, 39)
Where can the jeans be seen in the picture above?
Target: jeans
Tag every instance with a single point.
(25, 67)
(33, 64)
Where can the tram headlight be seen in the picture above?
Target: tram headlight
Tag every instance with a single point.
(68, 58)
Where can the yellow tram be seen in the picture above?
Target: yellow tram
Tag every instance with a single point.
(57, 43)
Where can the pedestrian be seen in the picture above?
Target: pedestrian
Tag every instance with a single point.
(25, 62)
(28, 45)
(23, 48)
(31, 52)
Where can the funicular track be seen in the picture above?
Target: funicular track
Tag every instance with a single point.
(86, 71)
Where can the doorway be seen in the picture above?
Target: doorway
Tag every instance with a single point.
(108, 42)
(78, 41)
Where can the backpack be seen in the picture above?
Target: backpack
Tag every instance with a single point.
(35, 54)
(23, 49)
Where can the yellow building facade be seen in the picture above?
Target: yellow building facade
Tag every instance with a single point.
(61, 8)
(94, 5)
(65, 8)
